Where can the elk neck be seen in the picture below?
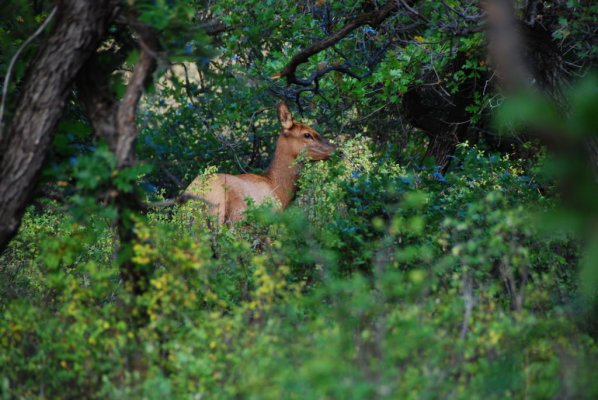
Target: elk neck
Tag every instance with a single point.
(283, 174)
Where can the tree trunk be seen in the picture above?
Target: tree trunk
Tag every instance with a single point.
(80, 26)
(442, 146)
(442, 116)
(115, 121)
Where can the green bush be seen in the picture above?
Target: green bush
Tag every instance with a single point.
(379, 282)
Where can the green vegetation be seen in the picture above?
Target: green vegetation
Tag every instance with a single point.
(378, 282)
(395, 274)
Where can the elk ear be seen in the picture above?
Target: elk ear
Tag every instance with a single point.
(284, 115)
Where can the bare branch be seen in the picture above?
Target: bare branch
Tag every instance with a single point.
(183, 198)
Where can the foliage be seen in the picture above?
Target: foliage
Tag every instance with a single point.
(379, 282)
(387, 277)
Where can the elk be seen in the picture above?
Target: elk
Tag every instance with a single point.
(226, 194)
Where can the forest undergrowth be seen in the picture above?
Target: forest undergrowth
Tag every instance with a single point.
(380, 282)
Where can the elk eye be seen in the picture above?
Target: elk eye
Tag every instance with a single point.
(307, 135)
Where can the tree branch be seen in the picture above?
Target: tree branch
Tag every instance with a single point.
(215, 27)
(182, 199)
(372, 18)
(127, 111)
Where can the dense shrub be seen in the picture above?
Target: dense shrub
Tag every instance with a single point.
(380, 282)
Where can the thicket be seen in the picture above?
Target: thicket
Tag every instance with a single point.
(379, 282)
(413, 267)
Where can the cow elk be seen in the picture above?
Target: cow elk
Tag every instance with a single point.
(226, 194)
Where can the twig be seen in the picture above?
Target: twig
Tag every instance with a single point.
(187, 84)
(13, 61)
(372, 113)
(438, 80)
(185, 197)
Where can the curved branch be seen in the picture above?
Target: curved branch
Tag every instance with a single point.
(372, 18)
(127, 111)
(13, 61)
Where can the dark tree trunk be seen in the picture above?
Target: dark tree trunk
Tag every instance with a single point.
(80, 26)
(523, 55)
(442, 146)
(115, 121)
(442, 116)
(136, 276)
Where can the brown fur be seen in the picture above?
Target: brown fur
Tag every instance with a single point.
(226, 193)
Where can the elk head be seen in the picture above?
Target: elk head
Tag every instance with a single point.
(297, 137)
